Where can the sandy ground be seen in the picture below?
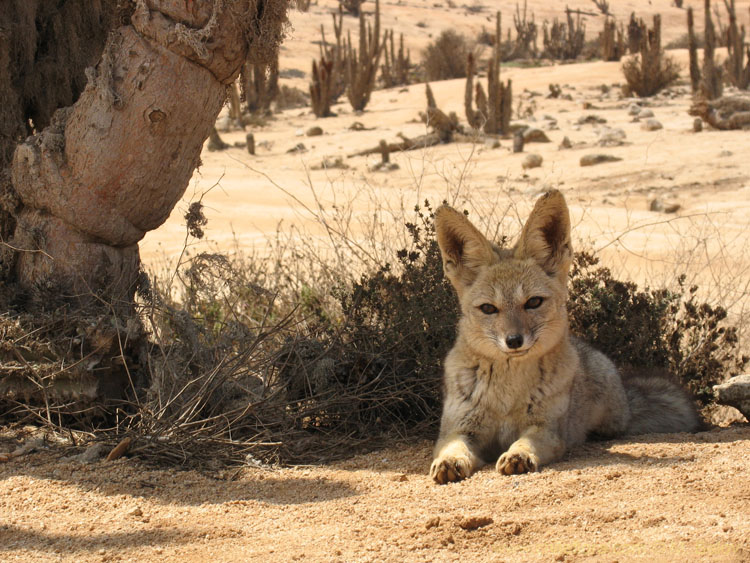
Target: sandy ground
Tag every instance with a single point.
(654, 498)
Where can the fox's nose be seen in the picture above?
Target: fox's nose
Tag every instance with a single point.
(514, 341)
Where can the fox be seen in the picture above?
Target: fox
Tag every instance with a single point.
(519, 389)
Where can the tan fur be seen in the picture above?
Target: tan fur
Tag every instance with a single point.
(519, 390)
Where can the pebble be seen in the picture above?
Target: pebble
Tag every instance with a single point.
(651, 124)
(531, 161)
(592, 159)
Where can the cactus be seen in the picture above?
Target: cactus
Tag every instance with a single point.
(564, 41)
(526, 33)
(320, 89)
(474, 118)
(695, 71)
(499, 95)
(612, 41)
(443, 125)
(711, 84)
(396, 64)
(335, 53)
(260, 85)
(363, 64)
(650, 70)
(636, 33)
(737, 67)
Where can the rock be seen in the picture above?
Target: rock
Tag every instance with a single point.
(93, 453)
(659, 206)
(532, 161)
(610, 137)
(535, 135)
(299, 147)
(565, 144)
(314, 131)
(491, 143)
(645, 113)
(590, 119)
(518, 142)
(475, 522)
(735, 392)
(136, 512)
(651, 124)
(725, 153)
(697, 125)
(384, 167)
(592, 159)
(634, 109)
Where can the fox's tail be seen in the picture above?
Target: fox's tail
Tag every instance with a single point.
(658, 405)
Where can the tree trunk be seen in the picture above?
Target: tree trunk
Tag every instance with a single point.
(112, 166)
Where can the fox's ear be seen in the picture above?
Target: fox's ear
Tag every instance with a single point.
(546, 236)
(464, 249)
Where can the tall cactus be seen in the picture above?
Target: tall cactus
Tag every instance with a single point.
(499, 95)
(737, 66)
(711, 86)
(362, 65)
(695, 71)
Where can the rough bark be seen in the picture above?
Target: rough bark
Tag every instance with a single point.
(112, 166)
(45, 48)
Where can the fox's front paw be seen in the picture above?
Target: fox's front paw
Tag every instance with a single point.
(450, 468)
(517, 462)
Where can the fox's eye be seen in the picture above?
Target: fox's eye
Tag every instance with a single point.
(533, 303)
(488, 308)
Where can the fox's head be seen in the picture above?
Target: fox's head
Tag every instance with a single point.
(512, 300)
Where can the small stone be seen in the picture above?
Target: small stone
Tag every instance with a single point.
(475, 522)
(697, 125)
(535, 135)
(592, 159)
(518, 142)
(491, 143)
(611, 137)
(590, 119)
(433, 522)
(93, 453)
(651, 124)
(634, 109)
(725, 153)
(659, 206)
(136, 512)
(299, 147)
(314, 131)
(735, 392)
(645, 113)
(532, 161)
(400, 478)
(566, 144)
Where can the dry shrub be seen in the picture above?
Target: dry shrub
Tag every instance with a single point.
(650, 70)
(647, 76)
(654, 329)
(445, 58)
